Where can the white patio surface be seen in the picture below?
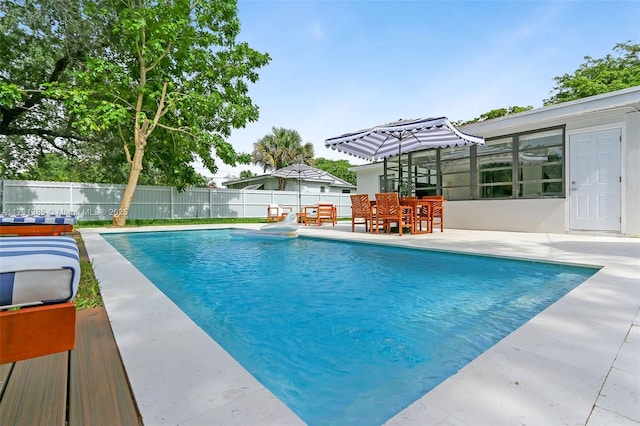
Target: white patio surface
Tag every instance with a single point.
(577, 362)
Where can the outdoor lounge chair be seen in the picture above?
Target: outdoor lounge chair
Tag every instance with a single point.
(276, 212)
(361, 210)
(29, 225)
(389, 210)
(40, 276)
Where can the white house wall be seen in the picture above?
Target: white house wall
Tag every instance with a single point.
(506, 215)
(313, 187)
(631, 175)
(368, 180)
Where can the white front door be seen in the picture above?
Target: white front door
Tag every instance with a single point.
(594, 183)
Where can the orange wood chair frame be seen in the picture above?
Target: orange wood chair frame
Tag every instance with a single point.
(39, 229)
(325, 212)
(36, 331)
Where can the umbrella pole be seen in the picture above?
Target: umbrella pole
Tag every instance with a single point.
(399, 166)
(299, 193)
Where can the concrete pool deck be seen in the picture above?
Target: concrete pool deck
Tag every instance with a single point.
(577, 362)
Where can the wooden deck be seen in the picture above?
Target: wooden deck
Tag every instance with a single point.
(84, 386)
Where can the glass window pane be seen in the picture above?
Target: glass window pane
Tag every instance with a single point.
(495, 168)
(424, 159)
(459, 193)
(497, 175)
(540, 189)
(540, 156)
(455, 153)
(455, 179)
(456, 176)
(424, 172)
(540, 139)
(541, 164)
(496, 191)
(494, 146)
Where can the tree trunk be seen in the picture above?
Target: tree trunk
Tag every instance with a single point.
(120, 216)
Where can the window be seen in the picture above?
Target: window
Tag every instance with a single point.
(424, 165)
(456, 175)
(523, 165)
(541, 164)
(495, 168)
(389, 184)
(322, 188)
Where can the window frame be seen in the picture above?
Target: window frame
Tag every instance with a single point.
(475, 187)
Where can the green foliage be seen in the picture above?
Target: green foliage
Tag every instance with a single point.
(281, 148)
(10, 95)
(338, 168)
(88, 295)
(40, 42)
(494, 113)
(245, 174)
(53, 167)
(596, 76)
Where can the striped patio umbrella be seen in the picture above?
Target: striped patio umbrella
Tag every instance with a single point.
(299, 171)
(401, 137)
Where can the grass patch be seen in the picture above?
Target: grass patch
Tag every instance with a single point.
(88, 295)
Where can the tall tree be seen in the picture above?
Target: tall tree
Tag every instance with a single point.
(173, 82)
(596, 76)
(338, 168)
(281, 148)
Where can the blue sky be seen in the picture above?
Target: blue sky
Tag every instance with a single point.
(340, 66)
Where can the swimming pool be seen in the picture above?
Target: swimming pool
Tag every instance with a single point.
(345, 333)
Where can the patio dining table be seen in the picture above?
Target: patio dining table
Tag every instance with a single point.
(422, 211)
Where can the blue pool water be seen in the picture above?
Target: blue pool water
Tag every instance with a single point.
(345, 333)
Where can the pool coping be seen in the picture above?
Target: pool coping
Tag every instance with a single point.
(577, 362)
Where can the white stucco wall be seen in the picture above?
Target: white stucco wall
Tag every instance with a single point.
(631, 175)
(313, 187)
(507, 215)
(368, 179)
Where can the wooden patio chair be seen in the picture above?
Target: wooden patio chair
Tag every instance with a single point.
(389, 210)
(322, 212)
(277, 213)
(361, 209)
(436, 210)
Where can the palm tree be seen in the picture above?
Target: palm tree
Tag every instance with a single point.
(281, 148)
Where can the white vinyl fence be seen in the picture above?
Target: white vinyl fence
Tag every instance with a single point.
(91, 201)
